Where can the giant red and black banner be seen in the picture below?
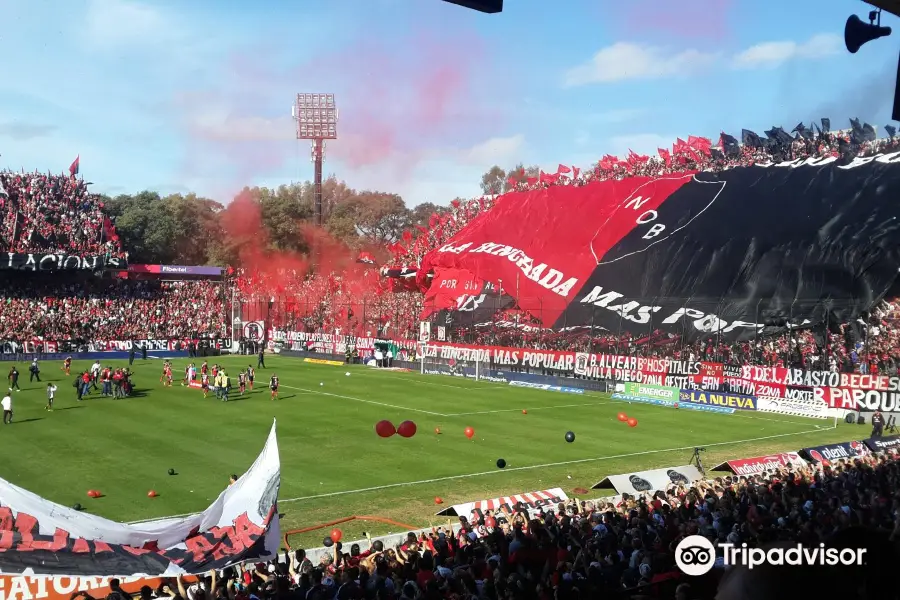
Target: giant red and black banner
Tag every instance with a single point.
(745, 252)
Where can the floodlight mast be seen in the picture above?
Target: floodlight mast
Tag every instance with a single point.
(317, 117)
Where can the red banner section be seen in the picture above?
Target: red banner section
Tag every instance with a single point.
(38, 346)
(755, 466)
(450, 287)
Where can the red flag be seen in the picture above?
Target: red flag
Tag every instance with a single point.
(532, 180)
(664, 154)
(74, 167)
(511, 183)
(563, 169)
(700, 144)
(575, 172)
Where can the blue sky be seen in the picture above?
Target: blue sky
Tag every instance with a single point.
(195, 96)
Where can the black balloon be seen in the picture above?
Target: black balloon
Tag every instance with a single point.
(501, 464)
(171, 471)
(328, 542)
(570, 437)
(77, 507)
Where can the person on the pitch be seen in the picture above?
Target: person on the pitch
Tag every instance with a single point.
(261, 360)
(273, 385)
(250, 374)
(226, 385)
(35, 371)
(51, 393)
(877, 424)
(6, 403)
(204, 384)
(14, 379)
(67, 365)
(242, 382)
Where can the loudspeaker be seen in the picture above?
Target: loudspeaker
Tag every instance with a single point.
(857, 32)
(485, 6)
(861, 420)
(850, 418)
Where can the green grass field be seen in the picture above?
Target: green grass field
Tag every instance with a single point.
(333, 464)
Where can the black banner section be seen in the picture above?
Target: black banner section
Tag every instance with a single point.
(751, 250)
(60, 262)
(883, 443)
(843, 450)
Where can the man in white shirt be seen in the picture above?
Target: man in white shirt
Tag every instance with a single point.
(95, 373)
(6, 403)
(51, 393)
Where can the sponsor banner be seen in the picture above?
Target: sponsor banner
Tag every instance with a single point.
(735, 401)
(546, 387)
(857, 399)
(578, 263)
(674, 404)
(176, 270)
(650, 481)
(23, 587)
(60, 262)
(832, 452)
(652, 391)
(240, 525)
(335, 343)
(254, 331)
(883, 444)
(467, 372)
(755, 466)
(533, 502)
(813, 409)
(321, 361)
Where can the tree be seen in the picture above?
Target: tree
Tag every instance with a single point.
(421, 214)
(493, 181)
(382, 217)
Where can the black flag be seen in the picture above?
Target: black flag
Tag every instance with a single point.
(826, 125)
(729, 144)
(750, 138)
(891, 130)
(869, 133)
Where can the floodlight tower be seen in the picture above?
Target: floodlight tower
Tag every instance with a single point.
(317, 118)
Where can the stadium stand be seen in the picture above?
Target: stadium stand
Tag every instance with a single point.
(53, 213)
(624, 548)
(60, 308)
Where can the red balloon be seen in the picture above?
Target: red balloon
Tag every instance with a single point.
(632, 422)
(490, 522)
(152, 494)
(406, 429)
(385, 429)
(676, 405)
(524, 412)
(93, 494)
(438, 500)
(336, 535)
(437, 430)
(470, 433)
(622, 417)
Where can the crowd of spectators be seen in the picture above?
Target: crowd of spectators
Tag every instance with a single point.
(59, 308)
(618, 548)
(43, 213)
(332, 303)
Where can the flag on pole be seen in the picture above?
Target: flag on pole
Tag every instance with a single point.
(74, 167)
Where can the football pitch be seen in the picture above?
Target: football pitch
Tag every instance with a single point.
(333, 465)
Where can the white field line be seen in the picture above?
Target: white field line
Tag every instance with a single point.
(526, 468)
(502, 410)
(418, 410)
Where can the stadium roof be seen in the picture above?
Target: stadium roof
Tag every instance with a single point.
(892, 6)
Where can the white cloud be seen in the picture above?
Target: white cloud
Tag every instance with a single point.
(772, 54)
(624, 60)
(497, 150)
(218, 126)
(121, 22)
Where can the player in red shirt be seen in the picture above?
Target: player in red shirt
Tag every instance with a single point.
(67, 364)
(250, 374)
(168, 376)
(273, 385)
(242, 382)
(204, 368)
(162, 377)
(204, 384)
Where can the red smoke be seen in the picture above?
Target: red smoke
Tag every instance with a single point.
(702, 20)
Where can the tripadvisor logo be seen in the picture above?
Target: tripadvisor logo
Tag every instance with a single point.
(696, 555)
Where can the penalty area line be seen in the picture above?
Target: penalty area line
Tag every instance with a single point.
(363, 400)
(503, 410)
(377, 488)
